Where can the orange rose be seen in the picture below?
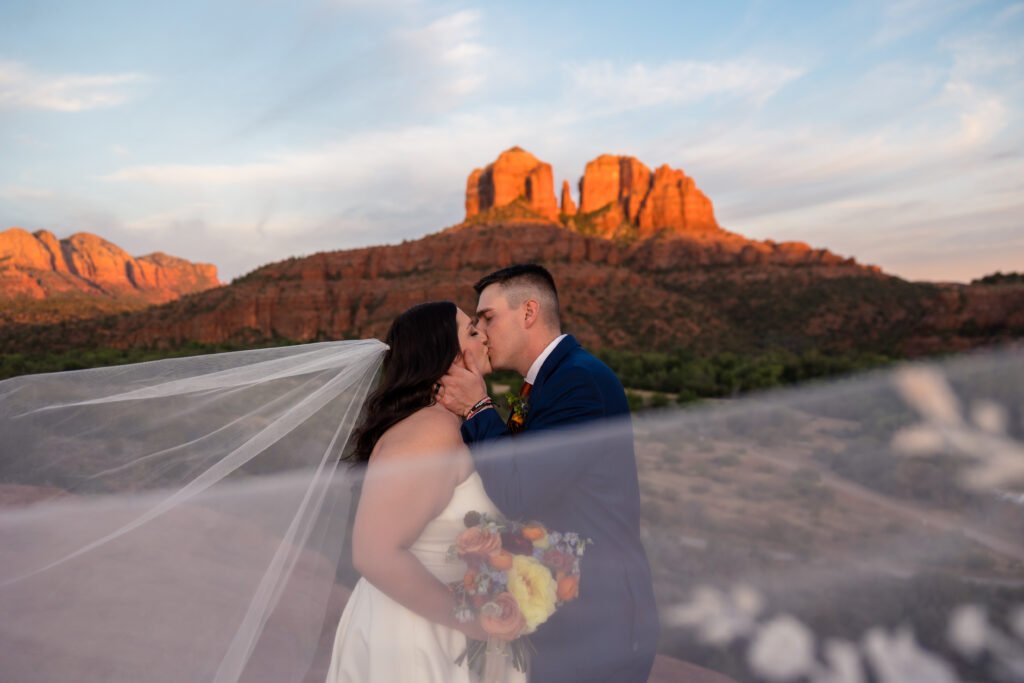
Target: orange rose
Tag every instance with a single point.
(501, 617)
(568, 586)
(501, 560)
(534, 532)
(477, 541)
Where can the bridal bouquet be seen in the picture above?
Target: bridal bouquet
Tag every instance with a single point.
(517, 575)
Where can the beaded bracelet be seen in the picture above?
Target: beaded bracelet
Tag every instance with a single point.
(480, 406)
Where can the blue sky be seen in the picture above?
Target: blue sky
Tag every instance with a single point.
(245, 131)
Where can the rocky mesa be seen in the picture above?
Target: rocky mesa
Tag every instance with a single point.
(85, 274)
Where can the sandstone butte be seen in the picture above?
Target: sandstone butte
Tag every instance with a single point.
(619, 197)
(515, 174)
(37, 266)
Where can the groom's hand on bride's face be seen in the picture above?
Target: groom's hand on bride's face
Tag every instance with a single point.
(463, 386)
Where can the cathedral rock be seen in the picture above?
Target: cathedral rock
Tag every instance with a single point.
(619, 196)
(515, 174)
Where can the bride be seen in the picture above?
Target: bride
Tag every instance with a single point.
(419, 484)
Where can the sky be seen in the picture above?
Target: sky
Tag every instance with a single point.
(242, 132)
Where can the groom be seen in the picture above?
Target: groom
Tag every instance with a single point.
(610, 632)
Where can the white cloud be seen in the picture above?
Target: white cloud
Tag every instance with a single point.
(1010, 12)
(14, 192)
(382, 158)
(31, 142)
(211, 174)
(22, 88)
(192, 213)
(906, 17)
(982, 116)
(450, 50)
(676, 82)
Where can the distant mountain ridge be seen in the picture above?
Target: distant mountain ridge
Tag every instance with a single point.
(641, 265)
(84, 275)
(642, 296)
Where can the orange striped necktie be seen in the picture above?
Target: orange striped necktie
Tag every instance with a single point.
(524, 391)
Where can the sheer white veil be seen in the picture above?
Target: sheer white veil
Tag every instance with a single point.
(186, 519)
(187, 522)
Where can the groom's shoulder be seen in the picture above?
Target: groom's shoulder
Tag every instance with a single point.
(582, 359)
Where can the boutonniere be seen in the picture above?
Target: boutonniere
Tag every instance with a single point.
(517, 409)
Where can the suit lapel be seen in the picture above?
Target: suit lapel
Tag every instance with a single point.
(564, 348)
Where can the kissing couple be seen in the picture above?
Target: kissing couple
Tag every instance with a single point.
(399, 623)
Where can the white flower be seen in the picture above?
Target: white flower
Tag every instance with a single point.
(718, 618)
(927, 390)
(968, 630)
(898, 659)
(783, 650)
(989, 416)
(917, 440)
(747, 600)
(844, 664)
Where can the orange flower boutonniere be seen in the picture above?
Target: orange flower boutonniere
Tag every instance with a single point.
(517, 408)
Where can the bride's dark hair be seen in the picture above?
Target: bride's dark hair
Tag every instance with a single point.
(424, 342)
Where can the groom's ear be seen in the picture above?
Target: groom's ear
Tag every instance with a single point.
(531, 313)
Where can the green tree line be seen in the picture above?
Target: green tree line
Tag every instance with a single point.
(692, 376)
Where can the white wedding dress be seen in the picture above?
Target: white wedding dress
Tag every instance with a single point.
(379, 640)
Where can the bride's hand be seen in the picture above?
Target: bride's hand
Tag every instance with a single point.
(473, 630)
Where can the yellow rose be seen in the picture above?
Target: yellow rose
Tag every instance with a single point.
(534, 589)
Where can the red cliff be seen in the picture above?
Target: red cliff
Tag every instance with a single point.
(516, 174)
(84, 268)
(619, 197)
(624, 198)
(568, 205)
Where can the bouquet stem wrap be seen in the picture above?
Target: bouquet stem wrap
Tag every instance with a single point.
(496, 660)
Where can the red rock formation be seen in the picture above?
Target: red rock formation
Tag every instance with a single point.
(568, 205)
(619, 196)
(609, 179)
(621, 193)
(473, 192)
(83, 266)
(728, 293)
(674, 202)
(702, 287)
(20, 248)
(516, 174)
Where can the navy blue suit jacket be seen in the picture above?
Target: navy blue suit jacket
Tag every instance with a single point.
(588, 486)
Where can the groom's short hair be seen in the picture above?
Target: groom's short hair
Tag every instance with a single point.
(526, 281)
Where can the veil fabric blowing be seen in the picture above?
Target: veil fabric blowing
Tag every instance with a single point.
(186, 520)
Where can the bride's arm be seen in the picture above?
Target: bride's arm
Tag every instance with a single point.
(409, 481)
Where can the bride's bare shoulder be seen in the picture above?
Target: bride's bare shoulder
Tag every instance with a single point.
(429, 429)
